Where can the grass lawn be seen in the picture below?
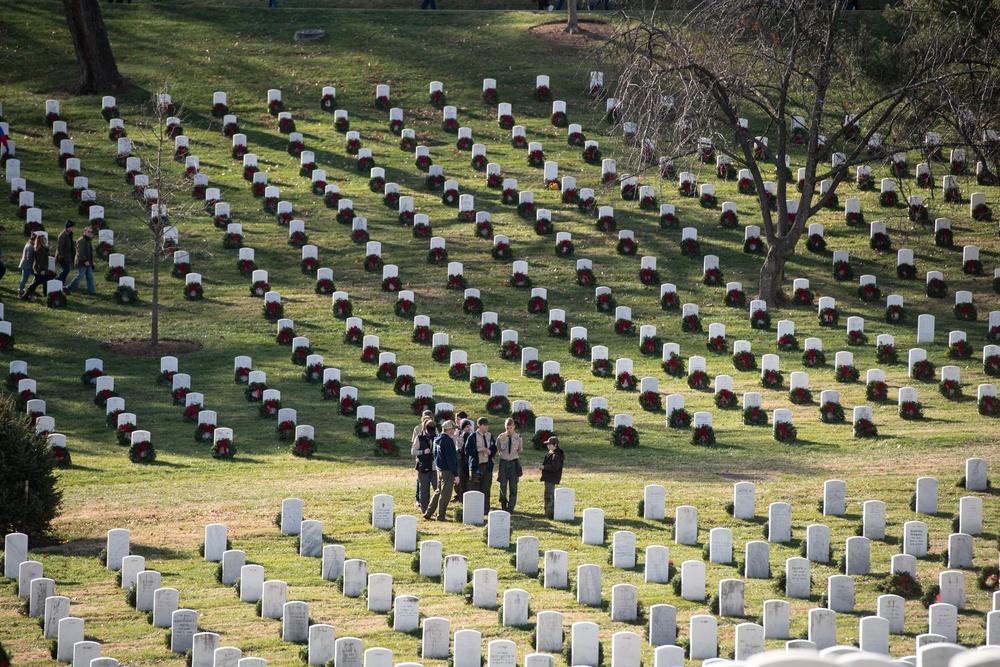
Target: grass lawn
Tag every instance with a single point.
(193, 49)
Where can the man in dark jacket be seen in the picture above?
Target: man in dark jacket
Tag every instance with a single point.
(84, 262)
(65, 250)
(446, 462)
(552, 468)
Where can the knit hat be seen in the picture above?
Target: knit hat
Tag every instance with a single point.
(70, 224)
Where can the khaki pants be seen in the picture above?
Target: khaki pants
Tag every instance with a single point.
(439, 503)
(507, 478)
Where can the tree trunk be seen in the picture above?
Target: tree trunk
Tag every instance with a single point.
(571, 25)
(772, 273)
(98, 69)
(154, 329)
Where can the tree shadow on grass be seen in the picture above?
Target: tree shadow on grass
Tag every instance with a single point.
(75, 466)
(157, 552)
(166, 464)
(82, 546)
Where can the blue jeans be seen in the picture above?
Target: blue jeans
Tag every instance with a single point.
(429, 3)
(82, 271)
(272, 3)
(25, 274)
(65, 272)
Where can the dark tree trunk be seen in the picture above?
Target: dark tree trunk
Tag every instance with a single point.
(772, 272)
(571, 25)
(98, 70)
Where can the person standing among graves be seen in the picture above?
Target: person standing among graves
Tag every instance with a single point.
(465, 428)
(552, 468)
(446, 462)
(27, 258)
(417, 430)
(39, 264)
(509, 448)
(84, 262)
(65, 250)
(423, 449)
(480, 448)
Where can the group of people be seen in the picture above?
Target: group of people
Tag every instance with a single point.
(35, 260)
(462, 457)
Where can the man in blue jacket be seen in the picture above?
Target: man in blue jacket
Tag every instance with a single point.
(446, 462)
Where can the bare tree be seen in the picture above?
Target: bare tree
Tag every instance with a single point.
(94, 58)
(155, 145)
(809, 78)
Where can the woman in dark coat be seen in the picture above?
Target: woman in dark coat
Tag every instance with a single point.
(39, 265)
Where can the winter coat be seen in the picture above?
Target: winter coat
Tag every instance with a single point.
(27, 256)
(40, 262)
(445, 454)
(552, 466)
(84, 252)
(65, 249)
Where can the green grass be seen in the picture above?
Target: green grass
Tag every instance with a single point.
(244, 51)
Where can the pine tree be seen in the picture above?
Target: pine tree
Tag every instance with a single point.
(29, 499)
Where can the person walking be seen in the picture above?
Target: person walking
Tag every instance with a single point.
(39, 264)
(480, 448)
(84, 262)
(446, 462)
(27, 259)
(509, 448)
(552, 468)
(65, 250)
(423, 449)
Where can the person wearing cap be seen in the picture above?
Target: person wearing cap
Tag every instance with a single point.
(65, 250)
(480, 448)
(423, 449)
(84, 261)
(552, 468)
(446, 462)
(509, 448)
(465, 429)
(417, 430)
(27, 259)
